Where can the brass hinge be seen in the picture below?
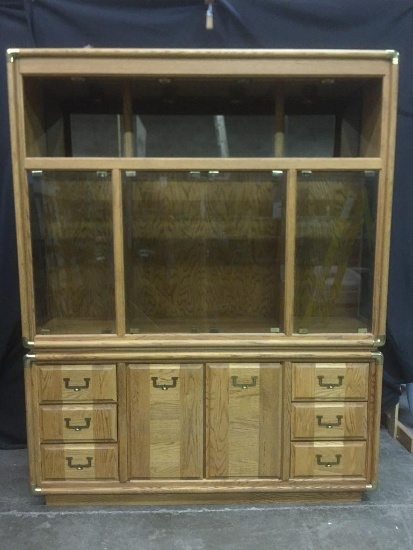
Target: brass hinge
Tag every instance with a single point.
(11, 54)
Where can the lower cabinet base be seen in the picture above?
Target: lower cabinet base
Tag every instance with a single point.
(214, 498)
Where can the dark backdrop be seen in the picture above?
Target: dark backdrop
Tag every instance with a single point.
(356, 24)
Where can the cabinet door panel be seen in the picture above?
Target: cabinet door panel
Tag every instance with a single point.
(244, 420)
(165, 421)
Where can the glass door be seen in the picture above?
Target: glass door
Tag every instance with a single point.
(335, 249)
(204, 251)
(72, 245)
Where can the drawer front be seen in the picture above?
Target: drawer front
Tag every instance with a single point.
(329, 420)
(328, 459)
(330, 381)
(60, 462)
(78, 423)
(77, 383)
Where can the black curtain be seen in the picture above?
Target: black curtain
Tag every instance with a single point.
(355, 24)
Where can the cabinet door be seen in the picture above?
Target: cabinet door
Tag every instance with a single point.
(165, 416)
(244, 432)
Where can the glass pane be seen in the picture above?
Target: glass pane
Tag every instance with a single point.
(204, 251)
(336, 217)
(72, 241)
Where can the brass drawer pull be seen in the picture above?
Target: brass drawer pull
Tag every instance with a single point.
(330, 424)
(328, 464)
(76, 388)
(79, 466)
(329, 385)
(164, 386)
(77, 427)
(243, 385)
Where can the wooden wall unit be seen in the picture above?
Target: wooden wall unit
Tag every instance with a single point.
(203, 309)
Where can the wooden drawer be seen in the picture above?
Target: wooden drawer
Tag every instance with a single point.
(330, 381)
(329, 420)
(78, 423)
(79, 462)
(77, 383)
(347, 458)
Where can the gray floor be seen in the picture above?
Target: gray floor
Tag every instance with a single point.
(384, 520)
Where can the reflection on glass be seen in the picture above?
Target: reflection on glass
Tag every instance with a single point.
(204, 251)
(336, 217)
(204, 135)
(72, 242)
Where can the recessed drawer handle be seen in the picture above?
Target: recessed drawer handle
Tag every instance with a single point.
(330, 424)
(76, 388)
(328, 464)
(164, 386)
(77, 427)
(79, 466)
(330, 385)
(243, 385)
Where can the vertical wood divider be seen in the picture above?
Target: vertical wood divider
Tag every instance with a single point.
(32, 442)
(374, 417)
(118, 253)
(21, 200)
(279, 121)
(286, 421)
(384, 200)
(290, 230)
(122, 421)
(127, 121)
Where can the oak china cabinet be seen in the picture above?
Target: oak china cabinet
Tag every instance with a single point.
(203, 242)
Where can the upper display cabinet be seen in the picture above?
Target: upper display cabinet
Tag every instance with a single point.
(203, 191)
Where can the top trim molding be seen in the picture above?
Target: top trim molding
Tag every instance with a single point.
(208, 53)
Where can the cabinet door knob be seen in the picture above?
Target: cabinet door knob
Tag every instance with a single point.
(77, 427)
(164, 386)
(243, 385)
(77, 387)
(328, 464)
(330, 385)
(329, 424)
(79, 466)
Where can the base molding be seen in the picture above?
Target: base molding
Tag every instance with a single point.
(214, 498)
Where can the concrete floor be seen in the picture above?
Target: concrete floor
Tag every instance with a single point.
(383, 521)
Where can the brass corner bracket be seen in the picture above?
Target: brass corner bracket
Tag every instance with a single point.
(378, 357)
(379, 341)
(11, 54)
(27, 343)
(394, 56)
(28, 360)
